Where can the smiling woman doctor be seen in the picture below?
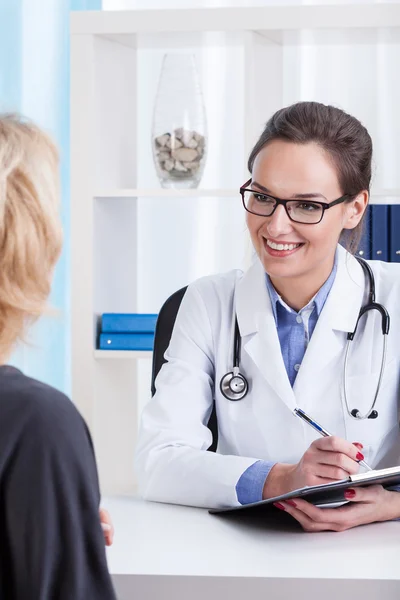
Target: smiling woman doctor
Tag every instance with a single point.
(310, 179)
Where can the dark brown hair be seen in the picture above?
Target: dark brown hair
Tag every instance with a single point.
(342, 136)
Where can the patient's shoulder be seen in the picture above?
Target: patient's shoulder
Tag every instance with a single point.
(25, 401)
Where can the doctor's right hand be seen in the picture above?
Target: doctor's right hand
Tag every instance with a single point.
(327, 459)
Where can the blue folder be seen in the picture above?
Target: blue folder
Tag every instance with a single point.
(394, 232)
(128, 323)
(126, 341)
(380, 231)
(364, 248)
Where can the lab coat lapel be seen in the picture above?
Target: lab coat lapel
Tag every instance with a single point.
(259, 333)
(338, 316)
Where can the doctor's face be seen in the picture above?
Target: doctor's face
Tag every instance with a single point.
(287, 170)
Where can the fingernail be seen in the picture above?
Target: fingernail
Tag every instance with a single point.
(360, 456)
(292, 503)
(279, 505)
(106, 527)
(349, 494)
(358, 444)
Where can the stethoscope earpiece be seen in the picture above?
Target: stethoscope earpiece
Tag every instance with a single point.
(357, 415)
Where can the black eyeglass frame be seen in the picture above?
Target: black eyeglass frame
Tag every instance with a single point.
(278, 201)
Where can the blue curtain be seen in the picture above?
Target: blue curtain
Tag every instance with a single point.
(34, 81)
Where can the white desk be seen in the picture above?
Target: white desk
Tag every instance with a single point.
(164, 552)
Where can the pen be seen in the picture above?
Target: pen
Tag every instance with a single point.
(300, 413)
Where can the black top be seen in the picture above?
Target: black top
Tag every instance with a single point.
(51, 541)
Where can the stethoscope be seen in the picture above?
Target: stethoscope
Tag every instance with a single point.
(234, 385)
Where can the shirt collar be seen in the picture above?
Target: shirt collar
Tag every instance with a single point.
(318, 300)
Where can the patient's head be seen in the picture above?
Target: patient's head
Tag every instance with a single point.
(30, 230)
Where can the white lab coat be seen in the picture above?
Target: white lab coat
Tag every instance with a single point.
(171, 461)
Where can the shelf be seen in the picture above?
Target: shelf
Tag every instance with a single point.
(203, 193)
(123, 354)
(161, 193)
(261, 19)
(389, 193)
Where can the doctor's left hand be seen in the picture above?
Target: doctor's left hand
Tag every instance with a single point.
(366, 505)
(107, 526)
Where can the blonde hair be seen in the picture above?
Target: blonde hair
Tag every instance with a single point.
(30, 228)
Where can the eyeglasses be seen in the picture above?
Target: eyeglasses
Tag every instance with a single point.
(307, 212)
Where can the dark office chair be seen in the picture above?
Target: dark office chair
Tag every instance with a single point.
(164, 326)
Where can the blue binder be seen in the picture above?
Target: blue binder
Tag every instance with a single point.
(394, 232)
(364, 248)
(126, 341)
(380, 231)
(128, 323)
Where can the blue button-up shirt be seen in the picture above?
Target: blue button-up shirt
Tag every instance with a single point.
(294, 331)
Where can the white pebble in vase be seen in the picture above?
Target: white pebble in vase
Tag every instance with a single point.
(179, 133)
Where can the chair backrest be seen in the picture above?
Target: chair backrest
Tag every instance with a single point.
(164, 326)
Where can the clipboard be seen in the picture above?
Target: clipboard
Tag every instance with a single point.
(319, 495)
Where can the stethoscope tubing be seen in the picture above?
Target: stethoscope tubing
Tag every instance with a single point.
(368, 414)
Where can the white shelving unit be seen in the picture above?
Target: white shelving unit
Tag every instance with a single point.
(260, 19)
(115, 266)
(122, 354)
(159, 193)
(376, 195)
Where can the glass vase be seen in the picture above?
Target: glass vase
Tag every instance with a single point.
(179, 136)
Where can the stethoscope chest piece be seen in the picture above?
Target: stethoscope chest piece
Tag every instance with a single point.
(234, 385)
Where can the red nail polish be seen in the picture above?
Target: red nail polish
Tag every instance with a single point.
(359, 445)
(292, 503)
(279, 505)
(349, 494)
(360, 456)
